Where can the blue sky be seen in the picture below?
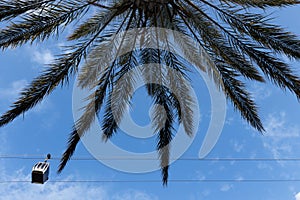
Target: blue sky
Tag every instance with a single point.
(45, 129)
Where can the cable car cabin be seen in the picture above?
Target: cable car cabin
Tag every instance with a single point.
(40, 172)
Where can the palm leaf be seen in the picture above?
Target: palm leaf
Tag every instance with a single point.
(230, 44)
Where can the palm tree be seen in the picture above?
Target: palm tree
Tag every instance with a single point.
(239, 43)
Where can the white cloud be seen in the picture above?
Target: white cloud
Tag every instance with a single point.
(43, 106)
(229, 120)
(276, 126)
(237, 146)
(297, 196)
(239, 178)
(281, 137)
(10, 93)
(3, 149)
(3, 141)
(49, 191)
(264, 165)
(13, 90)
(206, 192)
(226, 187)
(134, 195)
(200, 175)
(260, 91)
(14, 190)
(62, 190)
(42, 56)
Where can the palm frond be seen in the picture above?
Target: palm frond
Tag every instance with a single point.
(57, 73)
(162, 119)
(235, 90)
(257, 26)
(214, 41)
(39, 26)
(182, 92)
(230, 44)
(279, 72)
(263, 4)
(83, 124)
(74, 138)
(162, 122)
(43, 85)
(13, 8)
(109, 124)
(100, 20)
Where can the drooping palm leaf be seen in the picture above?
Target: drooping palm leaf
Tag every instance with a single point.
(232, 44)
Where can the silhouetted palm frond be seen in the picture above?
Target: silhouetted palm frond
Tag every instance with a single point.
(115, 38)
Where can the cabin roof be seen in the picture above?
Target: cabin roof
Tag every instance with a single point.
(41, 167)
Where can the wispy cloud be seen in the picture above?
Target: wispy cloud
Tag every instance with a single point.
(49, 191)
(277, 126)
(11, 93)
(280, 137)
(43, 106)
(42, 56)
(297, 196)
(62, 190)
(3, 149)
(226, 187)
(13, 90)
(11, 189)
(260, 91)
(237, 146)
(134, 195)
